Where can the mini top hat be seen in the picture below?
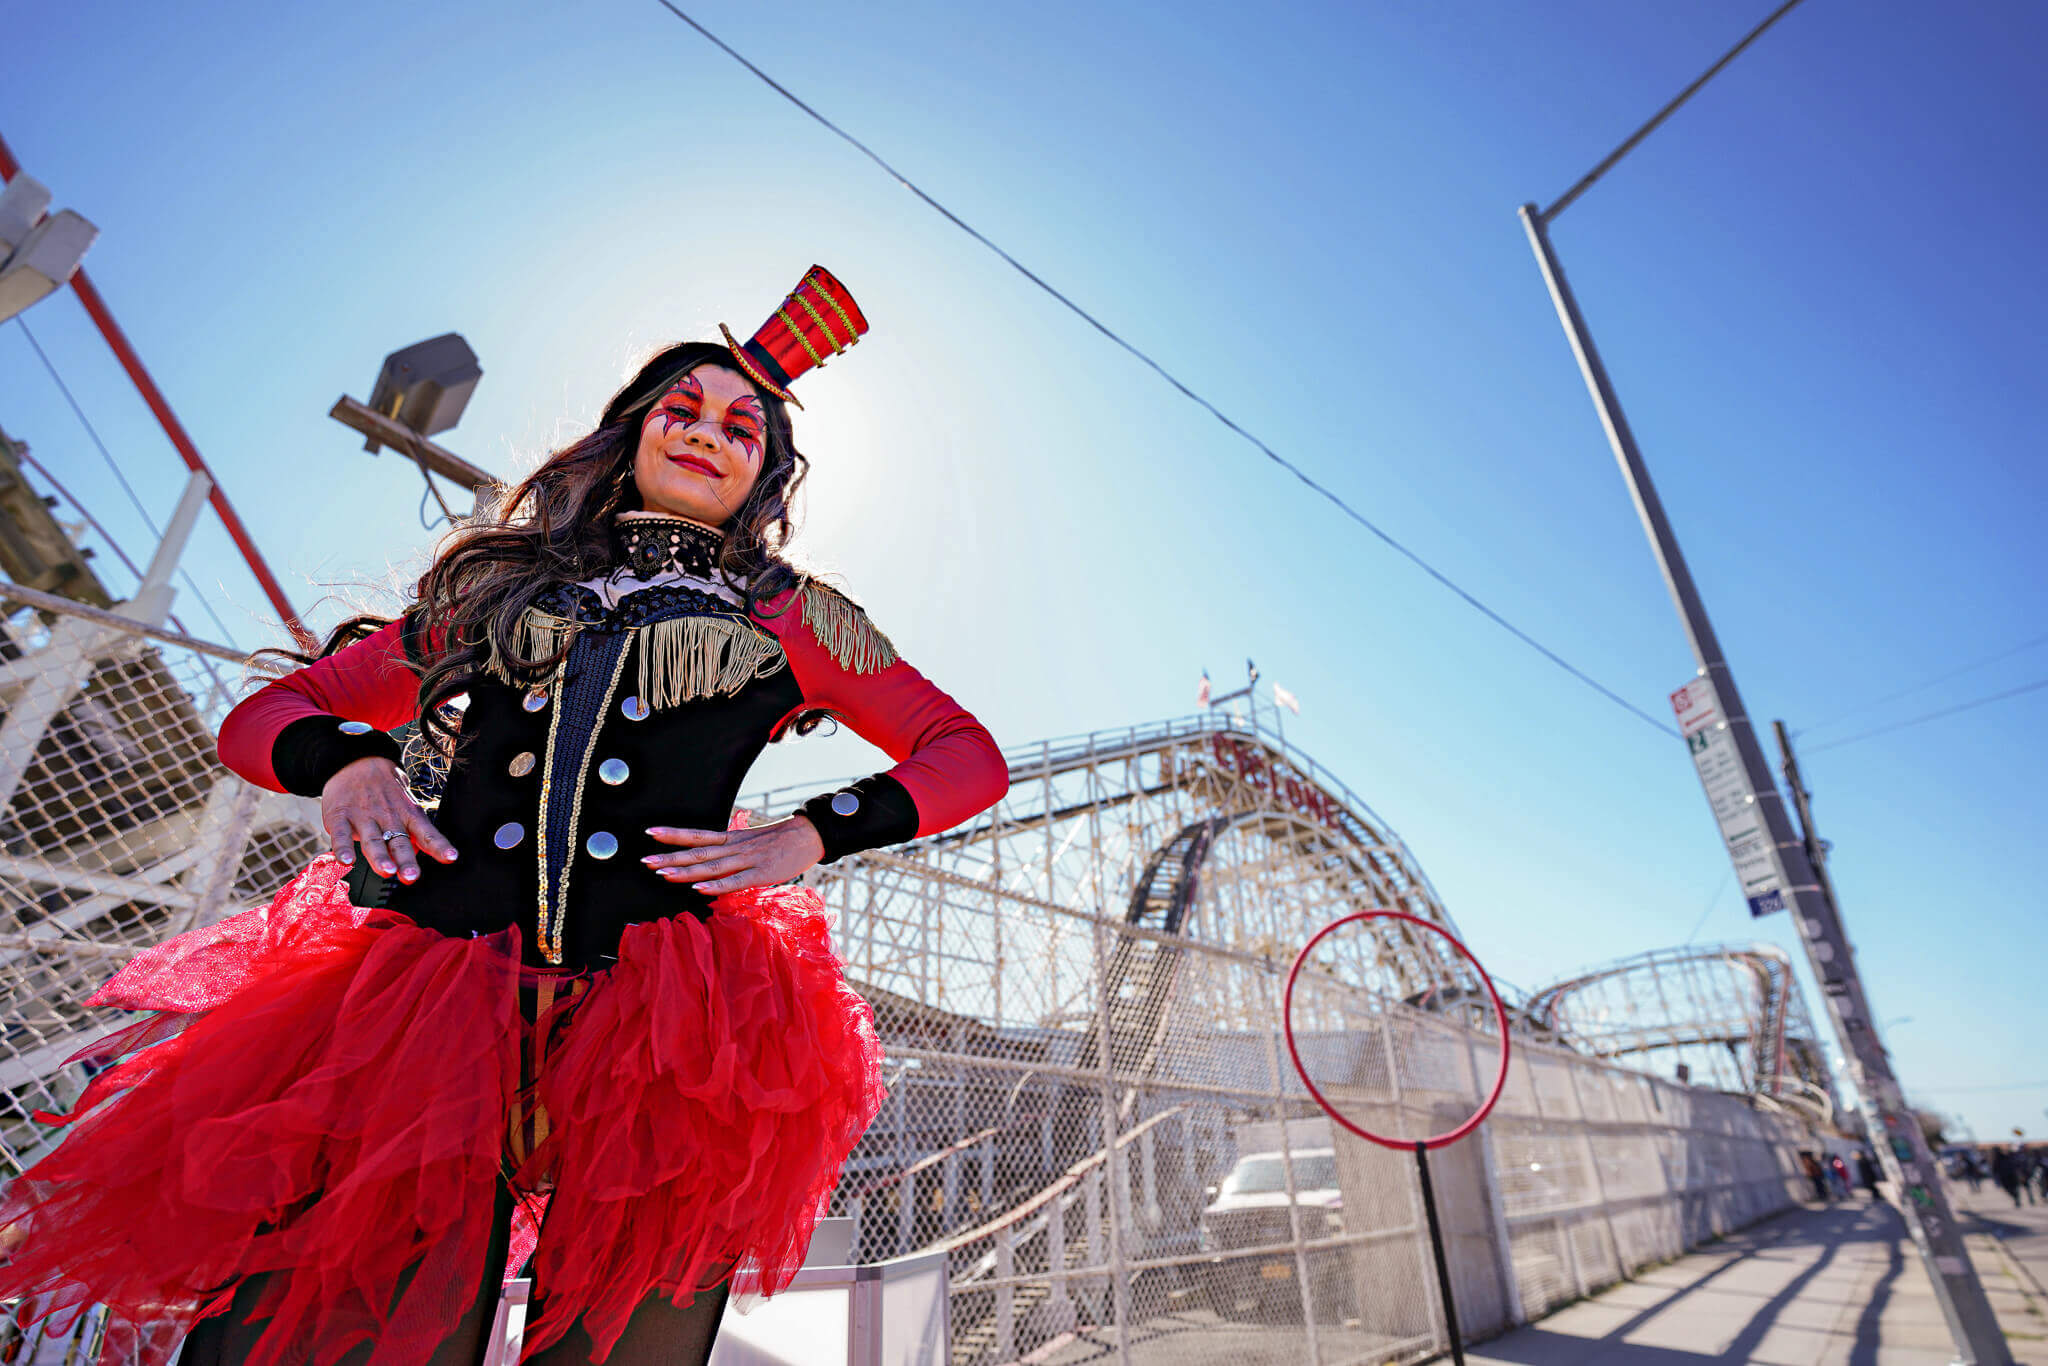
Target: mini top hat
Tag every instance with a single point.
(819, 318)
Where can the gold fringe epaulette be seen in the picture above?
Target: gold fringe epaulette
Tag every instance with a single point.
(541, 635)
(683, 659)
(844, 630)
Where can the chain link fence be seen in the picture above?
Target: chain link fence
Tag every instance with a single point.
(1154, 1185)
(1090, 1106)
(118, 828)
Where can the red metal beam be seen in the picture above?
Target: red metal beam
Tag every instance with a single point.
(124, 351)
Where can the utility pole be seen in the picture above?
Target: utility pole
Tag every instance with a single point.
(1752, 800)
(1895, 1133)
(1816, 850)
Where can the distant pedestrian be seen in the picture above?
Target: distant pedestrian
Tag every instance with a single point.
(1973, 1170)
(1866, 1173)
(1838, 1175)
(1818, 1178)
(2005, 1171)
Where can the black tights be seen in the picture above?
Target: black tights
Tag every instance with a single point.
(658, 1334)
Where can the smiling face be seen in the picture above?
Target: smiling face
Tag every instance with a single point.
(701, 446)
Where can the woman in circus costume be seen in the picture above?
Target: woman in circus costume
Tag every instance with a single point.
(572, 992)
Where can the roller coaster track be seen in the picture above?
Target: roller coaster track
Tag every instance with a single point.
(1743, 998)
(1205, 831)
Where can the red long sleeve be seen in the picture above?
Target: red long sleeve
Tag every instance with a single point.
(945, 759)
(367, 681)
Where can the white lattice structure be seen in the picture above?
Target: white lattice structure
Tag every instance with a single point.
(1731, 1015)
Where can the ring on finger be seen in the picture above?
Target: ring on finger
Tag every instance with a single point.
(390, 834)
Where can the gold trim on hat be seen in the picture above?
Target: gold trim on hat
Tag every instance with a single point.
(748, 368)
(798, 333)
(823, 326)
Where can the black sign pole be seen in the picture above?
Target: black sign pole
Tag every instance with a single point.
(1436, 1243)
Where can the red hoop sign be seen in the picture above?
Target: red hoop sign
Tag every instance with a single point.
(1500, 1015)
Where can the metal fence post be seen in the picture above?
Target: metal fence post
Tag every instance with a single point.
(1006, 1297)
(1501, 1238)
(1307, 1289)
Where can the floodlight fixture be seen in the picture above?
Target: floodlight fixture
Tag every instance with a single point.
(38, 250)
(425, 386)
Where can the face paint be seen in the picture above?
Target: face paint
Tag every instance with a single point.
(744, 423)
(684, 401)
(702, 446)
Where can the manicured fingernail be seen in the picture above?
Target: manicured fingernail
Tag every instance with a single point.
(345, 858)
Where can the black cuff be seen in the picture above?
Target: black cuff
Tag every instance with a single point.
(869, 814)
(313, 749)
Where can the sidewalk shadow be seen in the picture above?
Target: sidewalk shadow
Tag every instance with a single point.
(1831, 1227)
(1864, 1353)
(1998, 1228)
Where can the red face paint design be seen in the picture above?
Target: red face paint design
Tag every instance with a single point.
(744, 419)
(744, 423)
(684, 401)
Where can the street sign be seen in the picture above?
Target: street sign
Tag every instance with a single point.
(1714, 755)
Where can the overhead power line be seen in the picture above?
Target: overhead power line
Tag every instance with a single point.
(1182, 388)
(1727, 876)
(2034, 686)
(1925, 684)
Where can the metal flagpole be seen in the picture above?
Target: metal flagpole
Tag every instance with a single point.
(1893, 1129)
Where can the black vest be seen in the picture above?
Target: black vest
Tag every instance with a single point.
(554, 783)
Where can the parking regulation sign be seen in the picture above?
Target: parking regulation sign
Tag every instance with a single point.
(1714, 756)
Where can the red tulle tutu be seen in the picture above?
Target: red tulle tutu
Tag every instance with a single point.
(326, 1092)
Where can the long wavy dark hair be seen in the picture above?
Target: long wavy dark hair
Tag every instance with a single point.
(554, 527)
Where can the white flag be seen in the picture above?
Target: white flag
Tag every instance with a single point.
(1284, 698)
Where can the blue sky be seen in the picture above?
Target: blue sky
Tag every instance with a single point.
(1819, 289)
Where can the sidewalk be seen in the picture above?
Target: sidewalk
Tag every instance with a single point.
(2022, 1232)
(1836, 1285)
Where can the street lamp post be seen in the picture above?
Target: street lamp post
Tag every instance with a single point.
(1901, 1146)
(1895, 1130)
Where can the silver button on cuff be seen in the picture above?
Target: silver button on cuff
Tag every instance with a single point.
(635, 709)
(603, 844)
(521, 765)
(612, 772)
(845, 803)
(509, 834)
(355, 728)
(535, 700)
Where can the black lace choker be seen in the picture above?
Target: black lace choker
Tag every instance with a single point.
(647, 546)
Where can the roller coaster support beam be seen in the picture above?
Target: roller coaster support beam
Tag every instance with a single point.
(1894, 1130)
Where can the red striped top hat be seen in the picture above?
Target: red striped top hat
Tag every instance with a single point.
(818, 319)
